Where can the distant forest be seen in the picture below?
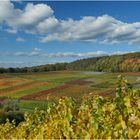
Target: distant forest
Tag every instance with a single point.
(116, 63)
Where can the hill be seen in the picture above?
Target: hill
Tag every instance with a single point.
(116, 63)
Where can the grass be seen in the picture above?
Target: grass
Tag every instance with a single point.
(75, 91)
(99, 83)
(31, 91)
(32, 104)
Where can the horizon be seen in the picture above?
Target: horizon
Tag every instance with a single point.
(69, 62)
(66, 31)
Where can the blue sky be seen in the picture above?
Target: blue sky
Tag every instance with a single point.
(34, 33)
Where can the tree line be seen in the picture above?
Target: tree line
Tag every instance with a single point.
(41, 68)
(116, 63)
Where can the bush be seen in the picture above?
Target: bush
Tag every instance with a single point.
(11, 106)
(95, 118)
(16, 116)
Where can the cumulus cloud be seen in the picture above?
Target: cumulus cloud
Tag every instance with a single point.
(26, 18)
(20, 39)
(40, 19)
(31, 15)
(86, 29)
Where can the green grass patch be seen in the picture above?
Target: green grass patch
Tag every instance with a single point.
(31, 91)
(29, 105)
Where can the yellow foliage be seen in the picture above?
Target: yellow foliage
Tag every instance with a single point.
(95, 118)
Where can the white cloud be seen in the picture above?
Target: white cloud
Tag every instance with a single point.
(104, 29)
(26, 18)
(19, 39)
(12, 31)
(36, 52)
(37, 49)
(39, 53)
(39, 19)
(5, 7)
(86, 29)
(20, 64)
(59, 54)
(32, 15)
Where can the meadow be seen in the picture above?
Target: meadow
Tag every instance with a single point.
(30, 90)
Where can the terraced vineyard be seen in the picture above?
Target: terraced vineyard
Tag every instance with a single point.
(33, 88)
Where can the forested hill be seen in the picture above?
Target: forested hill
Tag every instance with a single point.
(116, 63)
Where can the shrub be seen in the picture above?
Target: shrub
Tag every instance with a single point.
(95, 118)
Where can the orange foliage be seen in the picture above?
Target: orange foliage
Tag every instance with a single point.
(131, 64)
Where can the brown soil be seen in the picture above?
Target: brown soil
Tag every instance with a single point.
(52, 90)
(107, 93)
(132, 73)
(17, 88)
(34, 95)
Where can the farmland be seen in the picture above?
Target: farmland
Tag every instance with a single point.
(34, 89)
(95, 117)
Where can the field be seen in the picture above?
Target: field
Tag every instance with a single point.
(95, 117)
(32, 90)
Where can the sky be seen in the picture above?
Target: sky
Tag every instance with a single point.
(43, 32)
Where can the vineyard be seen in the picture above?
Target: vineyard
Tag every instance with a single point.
(96, 117)
(69, 70)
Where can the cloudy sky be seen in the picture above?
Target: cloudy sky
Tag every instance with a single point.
(34, 33)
